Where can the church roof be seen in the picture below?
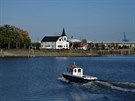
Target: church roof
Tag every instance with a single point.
(50, 39)
(53, 38)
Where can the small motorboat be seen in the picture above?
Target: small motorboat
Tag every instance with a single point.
(75, 74)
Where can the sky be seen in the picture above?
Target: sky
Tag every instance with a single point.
(94, 20)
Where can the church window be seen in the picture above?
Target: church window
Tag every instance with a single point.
(59, 45)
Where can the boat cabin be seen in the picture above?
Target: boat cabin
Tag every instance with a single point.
(75, 70)
(75, 74)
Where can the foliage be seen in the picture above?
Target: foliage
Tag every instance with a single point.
(35, 45)
(74, 45)
(83, 42)
(13, 37)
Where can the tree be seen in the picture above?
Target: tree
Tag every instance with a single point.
(83, 42)
(26, 39)
(96, 46)
(102, 46)
(13, 37)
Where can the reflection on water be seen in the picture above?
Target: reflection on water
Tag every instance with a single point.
(61, 58)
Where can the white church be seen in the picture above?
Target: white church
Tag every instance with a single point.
(55, 42)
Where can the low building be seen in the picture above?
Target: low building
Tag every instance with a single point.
(112, 45)
(55, 42)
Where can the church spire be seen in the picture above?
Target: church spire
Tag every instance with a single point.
(63, 32)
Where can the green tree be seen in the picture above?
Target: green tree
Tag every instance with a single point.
(13, 37)
(83, 42)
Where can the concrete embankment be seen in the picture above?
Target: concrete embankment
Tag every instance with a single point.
(67, 53)
(35, 53)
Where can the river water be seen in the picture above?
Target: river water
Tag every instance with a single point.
(39, 79)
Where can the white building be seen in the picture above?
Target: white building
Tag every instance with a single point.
(55, 42)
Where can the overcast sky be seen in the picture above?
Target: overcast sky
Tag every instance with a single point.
(94, 20)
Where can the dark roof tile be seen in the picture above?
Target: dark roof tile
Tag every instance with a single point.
(50, 39)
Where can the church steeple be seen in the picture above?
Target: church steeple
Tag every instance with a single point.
(63, 32)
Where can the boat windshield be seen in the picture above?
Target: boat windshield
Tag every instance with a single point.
(70, 70)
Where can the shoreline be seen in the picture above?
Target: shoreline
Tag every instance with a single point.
(62, 53)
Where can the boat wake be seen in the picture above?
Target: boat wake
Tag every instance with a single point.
(96, 85)
(62, 79)
(119, 86)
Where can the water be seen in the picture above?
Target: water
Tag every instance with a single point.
(39, 79)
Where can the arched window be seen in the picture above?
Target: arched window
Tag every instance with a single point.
(65, 39)
(75, 70)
